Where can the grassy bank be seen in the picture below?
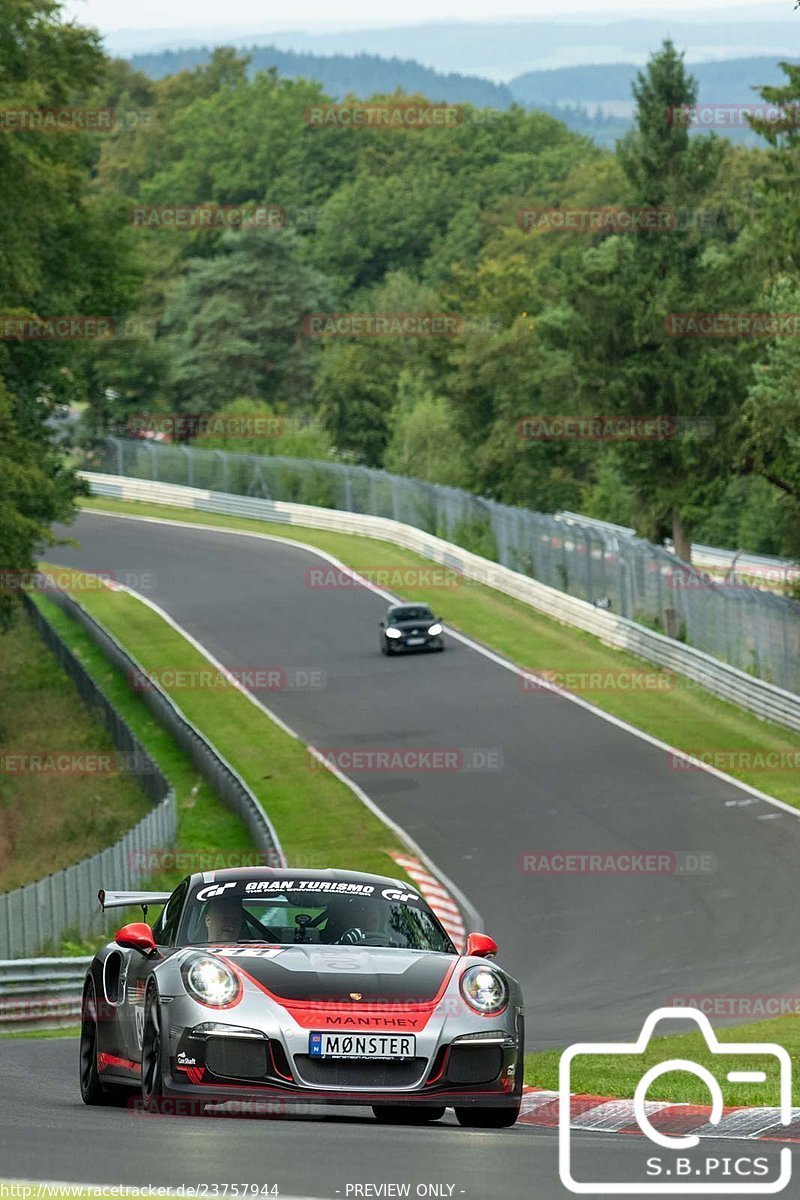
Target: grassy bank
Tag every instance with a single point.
(343, 833)
(54, 811)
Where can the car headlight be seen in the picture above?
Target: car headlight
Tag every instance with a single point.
(484, 989)
(210, 981)
(393, 633)
(435, 630)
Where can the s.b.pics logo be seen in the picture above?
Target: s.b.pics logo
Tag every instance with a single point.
(682, 1166)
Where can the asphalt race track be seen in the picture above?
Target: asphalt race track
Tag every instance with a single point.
(47, 1133)
(594, 953)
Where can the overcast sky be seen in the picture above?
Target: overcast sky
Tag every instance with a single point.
(256, 17)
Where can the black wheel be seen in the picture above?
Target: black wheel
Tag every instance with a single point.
(383, 646)
(152, 1053)
(398, 1114)
(93, 1090)
(488, 1118)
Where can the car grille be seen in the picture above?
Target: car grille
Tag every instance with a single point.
(236, 1058)
(379, 1073)
(474, 1064)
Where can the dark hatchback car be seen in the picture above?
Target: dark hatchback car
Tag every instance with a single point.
(410, 627)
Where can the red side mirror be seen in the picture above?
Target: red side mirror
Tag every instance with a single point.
(481, 945)
(137, 936)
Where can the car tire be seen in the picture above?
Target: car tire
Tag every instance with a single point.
(488, 1118)
(400, 1114)
(93, 1090)
(153, 1096)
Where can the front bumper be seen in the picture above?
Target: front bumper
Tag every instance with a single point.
(417, 642)
(207, 1067)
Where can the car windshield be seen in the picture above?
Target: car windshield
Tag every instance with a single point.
(309, 912)
(417, 612)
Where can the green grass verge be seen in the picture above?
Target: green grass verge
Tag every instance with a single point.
(63, 1031)
(276, 766)
(682, 714)
(618, 1076)
(204, 823)
(52, 818)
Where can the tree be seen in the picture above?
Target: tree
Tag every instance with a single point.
(424, 442)
(357, 385)
(36, 488)
(59, 256)
(236, 324)
(770, 419)
(622, 292)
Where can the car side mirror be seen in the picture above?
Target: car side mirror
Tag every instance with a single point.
(383, 624)
(137, 936)
(481, 945)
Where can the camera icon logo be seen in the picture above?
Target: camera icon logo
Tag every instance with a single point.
(737, 1050)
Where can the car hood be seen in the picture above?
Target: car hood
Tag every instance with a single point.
(336, 972)
(407, 626)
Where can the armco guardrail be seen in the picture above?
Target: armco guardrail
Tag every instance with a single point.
(756, 630)
(767, 701)
(41, 992)
(41, 913)
(226, 782)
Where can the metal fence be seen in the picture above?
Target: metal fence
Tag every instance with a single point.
(40, 914)
(226, 782)
(753, 630)
(41, 993)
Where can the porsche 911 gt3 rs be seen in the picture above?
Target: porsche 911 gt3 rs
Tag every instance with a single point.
(324, 986)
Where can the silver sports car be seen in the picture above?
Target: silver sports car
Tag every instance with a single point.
(302, 986)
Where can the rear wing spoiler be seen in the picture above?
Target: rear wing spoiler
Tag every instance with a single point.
(130, 899)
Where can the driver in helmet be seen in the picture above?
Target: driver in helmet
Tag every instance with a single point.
(353, 921)
(224, 919)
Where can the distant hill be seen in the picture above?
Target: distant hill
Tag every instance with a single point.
(361, 74)
(729, 81)
(594, 100)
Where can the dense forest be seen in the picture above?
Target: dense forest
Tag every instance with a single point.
(548, 321)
